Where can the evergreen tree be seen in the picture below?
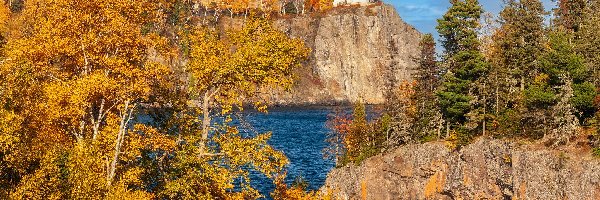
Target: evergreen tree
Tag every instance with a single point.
(427, 69)
(560, 60)
(463, 60)
(428, 118)
(588, 45)
(564, 122)
(521, 47)
(517, 47)
(569, 14)
(588, 39)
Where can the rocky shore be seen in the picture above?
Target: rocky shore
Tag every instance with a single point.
(486, 169)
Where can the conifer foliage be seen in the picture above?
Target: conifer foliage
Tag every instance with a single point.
(464, 64)
(533, 80)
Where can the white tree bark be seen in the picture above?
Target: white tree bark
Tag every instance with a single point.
(125, 116)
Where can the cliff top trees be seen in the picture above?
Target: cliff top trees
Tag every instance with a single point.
(588, 42)
(458, 25)
(522, 24)
(464, 62)
(517, 47)
(569, 14)
(427, 121)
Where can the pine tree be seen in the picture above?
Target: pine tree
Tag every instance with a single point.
(569, 14)
(564, 121)
(561, 59)
(588, 39)
(515, 53)
(428, 120)
(463, 60)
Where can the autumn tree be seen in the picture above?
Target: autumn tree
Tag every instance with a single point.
(354, 138)
(79, 89)
(262, 57)
(4, 21)
(87, 112)
(297, 191)
(402, 109)
(227, 70)
(463, 61)
(318, 5)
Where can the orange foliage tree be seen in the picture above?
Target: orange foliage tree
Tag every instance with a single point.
(77, 82)
(318, 5)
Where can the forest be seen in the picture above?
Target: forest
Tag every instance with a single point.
(526, 75)
(96, 102)
(122, 99)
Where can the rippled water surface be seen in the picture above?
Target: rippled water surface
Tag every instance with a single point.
(300, 133)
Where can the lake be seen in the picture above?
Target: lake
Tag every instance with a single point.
(300, 133)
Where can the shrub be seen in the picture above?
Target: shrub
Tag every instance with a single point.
(353, 138)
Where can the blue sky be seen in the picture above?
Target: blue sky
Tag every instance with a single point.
(423, 13)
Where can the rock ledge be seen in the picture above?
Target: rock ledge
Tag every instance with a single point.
(486, 169)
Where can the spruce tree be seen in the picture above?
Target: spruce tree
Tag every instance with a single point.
(588, 39)
(561, 59)
(464, 63)
(428, 119)
(427, 69)
(517, 47)
(569, 14)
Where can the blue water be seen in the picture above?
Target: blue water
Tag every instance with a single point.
(300, 133)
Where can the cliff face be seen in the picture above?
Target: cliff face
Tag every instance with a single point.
(487, 169)
(357, 53)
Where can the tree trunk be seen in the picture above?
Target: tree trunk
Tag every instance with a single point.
(96, 122)
(497, 95)
(439, 129)
(447, 129)
(484, 107)
(205, 118)
(522, 83)
(126, 116)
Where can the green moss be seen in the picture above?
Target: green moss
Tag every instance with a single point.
(596, 151)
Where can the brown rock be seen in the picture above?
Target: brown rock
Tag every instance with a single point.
(357, 53)
(486, 169)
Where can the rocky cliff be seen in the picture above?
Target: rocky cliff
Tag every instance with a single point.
(487, 169)
(357, 53)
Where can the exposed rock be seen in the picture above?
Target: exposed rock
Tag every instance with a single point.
(357, 53)
(487, 169)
